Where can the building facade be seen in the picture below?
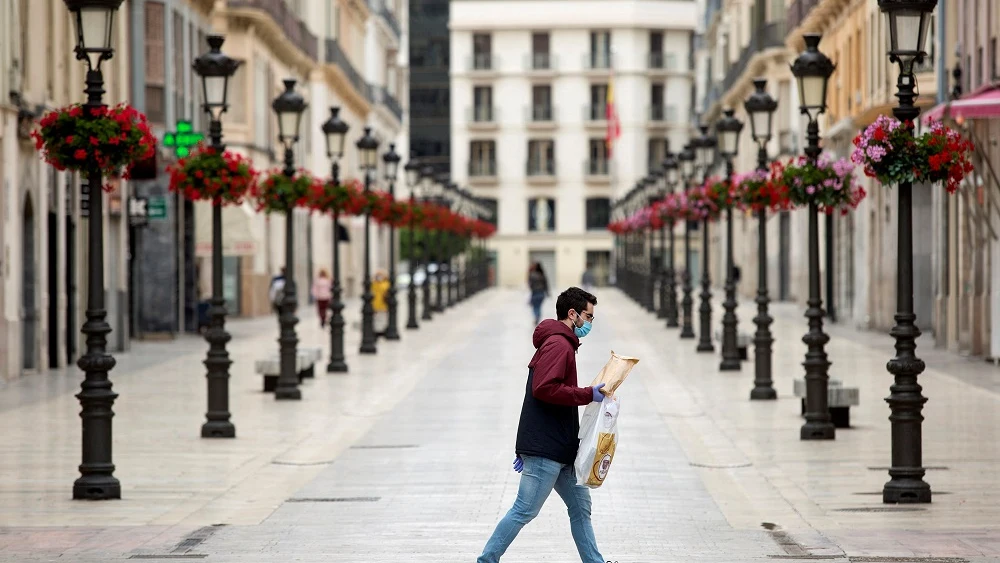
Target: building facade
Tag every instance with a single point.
(529, 119)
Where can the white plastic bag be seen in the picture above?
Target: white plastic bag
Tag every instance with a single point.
(598, 440)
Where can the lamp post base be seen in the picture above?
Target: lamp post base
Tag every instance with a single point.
(288, 394)
(729, 364)
(906, 487)
(218, 429)
(705, 347)
(815, 430)
(97, 487)
(336, 367)
(763, 394)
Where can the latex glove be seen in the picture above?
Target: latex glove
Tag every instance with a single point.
(518, 464)
(598, 396)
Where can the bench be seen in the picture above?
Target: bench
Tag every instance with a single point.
(743, 342)
(839, 400)
(270, 368)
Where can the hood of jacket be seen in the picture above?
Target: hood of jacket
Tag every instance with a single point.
(551, 327)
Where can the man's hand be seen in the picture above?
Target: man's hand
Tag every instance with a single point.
(518, 464)
(598, 394)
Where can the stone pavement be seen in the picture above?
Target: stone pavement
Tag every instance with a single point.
(408, 456)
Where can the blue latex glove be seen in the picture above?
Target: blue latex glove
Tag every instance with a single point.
(518, 464)
(598, 396)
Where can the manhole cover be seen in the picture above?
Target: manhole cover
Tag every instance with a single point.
(720, 465)
(875, 559)
(881, 509)
(170, 556)
(806, 557)
(335, 499)
(927, 468)
(302, 463)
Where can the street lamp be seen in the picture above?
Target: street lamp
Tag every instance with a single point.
(453, 239)
(812, 69)
(651, 193)
(412, 173)
(335, 133)
(391, 160)
(908, 22)
(289, 106)
(761, 107)
(443, 180)
(668, 285)
(94, 34)
(705, 154)
(728, 130)
(687, 158)
(428, 187)
(368, 155)
(215, 69)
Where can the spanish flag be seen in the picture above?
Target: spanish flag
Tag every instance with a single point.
(611, 115)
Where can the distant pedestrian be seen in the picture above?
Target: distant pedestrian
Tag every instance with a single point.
(321, 293)
(547, 440)
(380, 289)
(538, 284)
(587, 279)
(276, 291)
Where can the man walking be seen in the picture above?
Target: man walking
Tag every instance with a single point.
(547, 432)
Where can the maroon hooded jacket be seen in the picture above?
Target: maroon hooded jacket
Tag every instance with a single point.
(550, 420)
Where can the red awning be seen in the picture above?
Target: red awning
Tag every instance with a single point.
(981, 105)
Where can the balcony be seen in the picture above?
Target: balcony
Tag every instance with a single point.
(798, 11)
(482, 171)
(482, 117)
(597, 171)
(337, 57)
(661, 115)
(483, 62)
(383, 97)
(540, 117)
(541, 171)
(294, 30)
(391, 20)
(596, 114)
(768, 36)
(600, 62)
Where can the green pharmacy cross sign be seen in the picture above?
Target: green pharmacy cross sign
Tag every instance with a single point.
(183, 139)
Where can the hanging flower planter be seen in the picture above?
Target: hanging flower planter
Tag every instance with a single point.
(109, 139)
(828, 184)
(207, 174)
(721, 193)
(756, 191)
(890, 153)
(278, 193)
(345, 199)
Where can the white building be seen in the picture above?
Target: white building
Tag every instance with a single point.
(529, 86)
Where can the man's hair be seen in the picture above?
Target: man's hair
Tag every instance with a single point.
(573, 298)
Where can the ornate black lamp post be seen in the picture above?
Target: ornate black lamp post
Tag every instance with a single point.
(412, 171)
(728, 130)
(335, 132)
(761, 106)
(452, 246)
(908, 23)
(94, 34)
(668, 285)
(705, 156)
(812, 69)
(391, 160)
(427, 181)
(289, 106)
(215, 68)
(650, 271)
(443, 181)
(687, 163)
(368, 155)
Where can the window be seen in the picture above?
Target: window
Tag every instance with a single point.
(156, 103)
(541, 215)
(540, 59)
(655, 49)
(656, 99)
(490, 203)
(482, 158)
(600, 49)
(598, 101)
(541, 103)
(483, 100)
(656, 152)
(481, 51)
(541, 157)
(597, 164)
(598, 213)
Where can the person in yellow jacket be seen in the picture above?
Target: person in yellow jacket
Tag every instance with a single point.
(380, 289)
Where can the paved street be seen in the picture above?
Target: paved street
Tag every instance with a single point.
(408, 457)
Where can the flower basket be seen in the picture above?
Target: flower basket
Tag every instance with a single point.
(280, 193)
(207, 174)
(344, 199)
(890, 153)
(828, 184)
(699, 204)
(109, 139)
(756, 192)
(721, 193)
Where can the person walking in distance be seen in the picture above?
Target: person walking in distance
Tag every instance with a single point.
(321, 293)
(538, 284)
(276, 292)
(547, 432)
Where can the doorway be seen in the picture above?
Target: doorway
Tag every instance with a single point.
(29, 289)
(599, 262)
(547, 258)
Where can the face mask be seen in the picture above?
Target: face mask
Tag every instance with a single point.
(581, 331)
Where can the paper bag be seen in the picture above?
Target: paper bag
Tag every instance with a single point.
(614, 372)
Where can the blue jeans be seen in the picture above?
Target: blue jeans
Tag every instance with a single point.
(537, 298)
(539, 477)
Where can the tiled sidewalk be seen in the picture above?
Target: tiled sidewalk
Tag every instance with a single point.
(408, 457)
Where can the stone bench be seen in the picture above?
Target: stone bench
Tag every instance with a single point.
(743, 342)
(839, 400)
(270, 368)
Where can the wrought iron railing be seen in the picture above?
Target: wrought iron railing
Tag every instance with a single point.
(293, 28)
(336, 56)
(768, 36)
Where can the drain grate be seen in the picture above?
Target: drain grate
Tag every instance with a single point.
(806, 557)
(302, 463)
(876, 559)
(881, 509)
(720, 465)
(879, 493)
(927, 468)
(170, 556)
(335, 499)
(383, 446)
